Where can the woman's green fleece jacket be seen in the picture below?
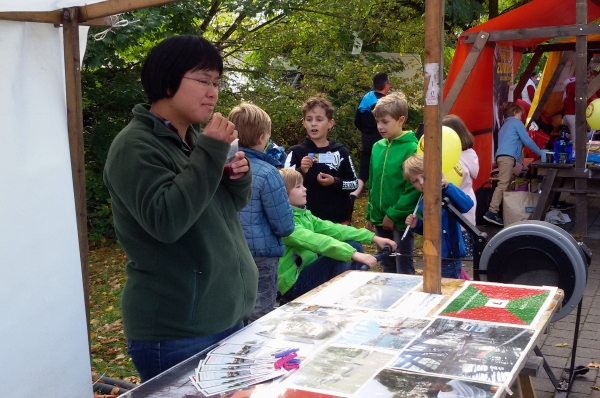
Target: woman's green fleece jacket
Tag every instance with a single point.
(190, 272)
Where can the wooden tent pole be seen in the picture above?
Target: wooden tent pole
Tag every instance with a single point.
(527, 72)
(581, 62)
(432, 195)
(464, 73)
(75, 131)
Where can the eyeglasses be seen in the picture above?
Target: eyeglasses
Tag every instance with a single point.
(217, 85)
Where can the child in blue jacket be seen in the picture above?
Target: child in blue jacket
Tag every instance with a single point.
(268, 217)
(453, 246)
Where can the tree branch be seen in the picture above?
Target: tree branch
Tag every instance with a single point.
(231, 29)
(214, 8)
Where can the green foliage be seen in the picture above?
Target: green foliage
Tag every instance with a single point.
(277, 54)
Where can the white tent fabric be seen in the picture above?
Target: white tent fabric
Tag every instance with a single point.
(43, 333)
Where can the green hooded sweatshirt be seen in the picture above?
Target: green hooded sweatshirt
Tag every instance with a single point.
(389, 193)
(190, 272)
(313, 237)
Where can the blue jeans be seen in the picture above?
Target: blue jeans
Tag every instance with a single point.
(267, 286)
(451, 268)
(320, 271)
(152, 358)
(398, 264)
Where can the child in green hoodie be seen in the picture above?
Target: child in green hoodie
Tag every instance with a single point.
(318, 250)
(391, 197)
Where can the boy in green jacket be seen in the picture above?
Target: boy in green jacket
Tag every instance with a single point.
(391, 197)
(318, 250)
(191, 280)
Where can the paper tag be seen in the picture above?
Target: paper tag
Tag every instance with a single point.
(326, 158)
(432, 71)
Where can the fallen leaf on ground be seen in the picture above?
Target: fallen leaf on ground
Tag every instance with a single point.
(594, 365)
(561, 345)
(596, 388)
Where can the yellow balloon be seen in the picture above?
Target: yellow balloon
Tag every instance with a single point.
(451, 148)
(592, 114)
(455, 175)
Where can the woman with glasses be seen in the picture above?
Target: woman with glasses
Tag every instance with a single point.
(191, 280)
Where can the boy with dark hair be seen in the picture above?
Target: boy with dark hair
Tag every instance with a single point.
(191, 280)
(326, 165)
(365, 122)
(268, 217)
(391, 197)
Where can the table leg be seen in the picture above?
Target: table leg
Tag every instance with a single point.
(545, 196)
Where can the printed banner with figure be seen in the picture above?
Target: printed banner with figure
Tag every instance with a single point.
(503, 87)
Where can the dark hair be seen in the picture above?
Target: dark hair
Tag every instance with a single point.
(318, 100)
(457, 124)
(511, 109)
(379, 81)
(169, 60)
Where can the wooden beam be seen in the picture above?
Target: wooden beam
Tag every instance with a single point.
(527, 73)
(534, 33)
(112, 7)
(53, 17)
(592, 46)
(432, 194)
(593, 86)
(550, 87)
(581, 62)
(75, 132)
(464, 73)
(102, 22)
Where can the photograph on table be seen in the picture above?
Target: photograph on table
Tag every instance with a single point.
(339, 369)
(295, 325)
(510, 304)
(479, 351)
(391, 383)
(383, 330)
(373, 291)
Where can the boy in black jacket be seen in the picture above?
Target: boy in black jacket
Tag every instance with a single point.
(326, 166)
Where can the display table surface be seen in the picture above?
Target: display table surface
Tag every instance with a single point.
(494, 336)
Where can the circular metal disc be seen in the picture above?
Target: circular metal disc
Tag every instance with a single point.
(537, 253)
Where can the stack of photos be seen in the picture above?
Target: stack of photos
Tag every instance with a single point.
(480, 351)
(339, 369)
(512, 304)
(391, 383)
(235, 366)
(299, 325)
(372, 291)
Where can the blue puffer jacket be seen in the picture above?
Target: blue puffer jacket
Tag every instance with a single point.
(268, 217)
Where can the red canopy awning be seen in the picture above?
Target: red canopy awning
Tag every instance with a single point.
(474, 103)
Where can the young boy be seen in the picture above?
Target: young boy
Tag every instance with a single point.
(318, 250)
(325, 164)
(268, 217)
(511, 138)
(452, 239)
(391, 197)
(191, 280)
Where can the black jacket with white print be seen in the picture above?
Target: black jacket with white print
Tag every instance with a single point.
(333, 202)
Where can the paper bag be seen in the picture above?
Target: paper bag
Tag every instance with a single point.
(518, 206)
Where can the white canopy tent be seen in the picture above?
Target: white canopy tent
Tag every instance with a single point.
(43, 237)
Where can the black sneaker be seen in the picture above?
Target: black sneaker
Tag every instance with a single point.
(562, 206)
(494, 218)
